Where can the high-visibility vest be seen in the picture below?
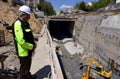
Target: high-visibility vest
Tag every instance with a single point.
(23, 37)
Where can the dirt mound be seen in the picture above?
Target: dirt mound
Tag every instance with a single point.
(8, 14)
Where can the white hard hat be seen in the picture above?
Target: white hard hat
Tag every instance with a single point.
(25, 9)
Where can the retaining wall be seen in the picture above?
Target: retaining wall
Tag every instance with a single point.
(100, 34)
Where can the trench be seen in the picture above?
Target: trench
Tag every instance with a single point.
(61, 29)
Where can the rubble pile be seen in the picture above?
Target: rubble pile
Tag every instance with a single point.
(9, 63)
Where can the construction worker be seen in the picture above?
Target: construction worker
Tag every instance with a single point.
(24, 41)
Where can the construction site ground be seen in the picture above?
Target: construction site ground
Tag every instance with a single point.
(41, 59)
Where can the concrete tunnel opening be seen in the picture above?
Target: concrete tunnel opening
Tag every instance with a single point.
(61, 28)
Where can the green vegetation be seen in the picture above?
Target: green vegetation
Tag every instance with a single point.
(46, 7)
(95, 5)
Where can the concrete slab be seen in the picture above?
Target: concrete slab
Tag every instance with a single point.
(41, 62)
(74, 48)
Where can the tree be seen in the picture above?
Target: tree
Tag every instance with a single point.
(80, 5)
(46, 7)
(77, 6)
(113, 1)
(95, 6)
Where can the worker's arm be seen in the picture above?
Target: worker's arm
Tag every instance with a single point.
(19, 36)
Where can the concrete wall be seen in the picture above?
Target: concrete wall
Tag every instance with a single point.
(85, 29)
(101, 36)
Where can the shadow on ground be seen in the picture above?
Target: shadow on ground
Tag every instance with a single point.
(43, 72)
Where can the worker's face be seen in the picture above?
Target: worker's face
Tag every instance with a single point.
(26, 17)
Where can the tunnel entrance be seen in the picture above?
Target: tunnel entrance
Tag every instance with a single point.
(61, 28)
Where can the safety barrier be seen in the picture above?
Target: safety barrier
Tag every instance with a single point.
(56, 71)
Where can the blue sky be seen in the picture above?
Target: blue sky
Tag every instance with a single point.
(61, 4)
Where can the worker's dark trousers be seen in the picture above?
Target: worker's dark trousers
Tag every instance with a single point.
(25, 64)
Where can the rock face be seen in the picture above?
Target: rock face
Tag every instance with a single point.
(8, 14)
(9, 62)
